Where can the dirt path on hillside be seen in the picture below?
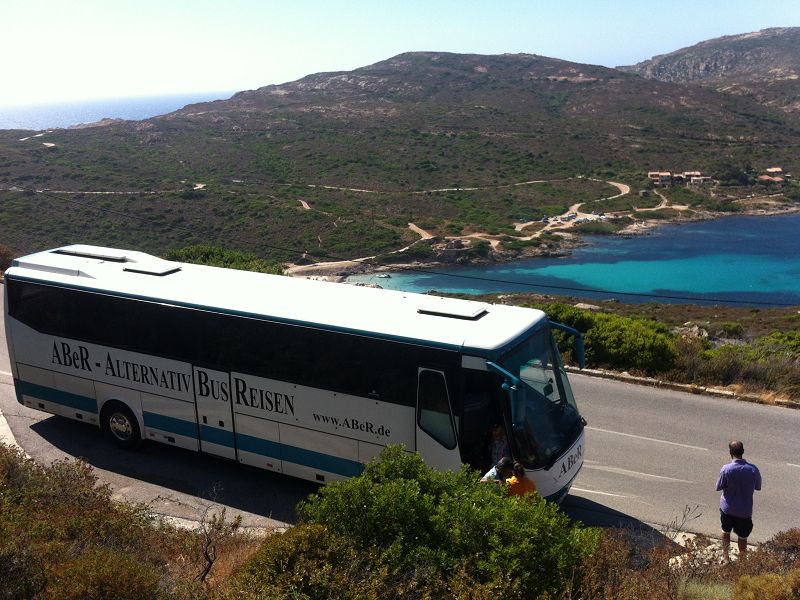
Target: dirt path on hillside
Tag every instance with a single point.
(419, 231)
(623, 189)
(334, 270)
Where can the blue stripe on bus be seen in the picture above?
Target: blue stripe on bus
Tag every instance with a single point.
(216, 436)
(171, 424)
(308, 458)
(68, 399)
(325, 462)
(300, 456)
(268, 448)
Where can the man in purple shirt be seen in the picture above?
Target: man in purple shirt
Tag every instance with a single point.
(737, 482)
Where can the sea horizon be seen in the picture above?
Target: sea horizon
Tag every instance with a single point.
(41, 116)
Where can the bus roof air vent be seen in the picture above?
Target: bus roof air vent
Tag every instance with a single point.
(454, 309)
(164, 268)
(134, 262)
(107, 254)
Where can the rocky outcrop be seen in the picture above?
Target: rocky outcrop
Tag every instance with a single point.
(764, 64)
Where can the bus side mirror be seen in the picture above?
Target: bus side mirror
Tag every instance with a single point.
(580, 354)
(512, 385)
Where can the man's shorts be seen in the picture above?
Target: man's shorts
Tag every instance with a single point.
(742, 526)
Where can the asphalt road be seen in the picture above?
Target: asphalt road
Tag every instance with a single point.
(651, 456)
(652, 453)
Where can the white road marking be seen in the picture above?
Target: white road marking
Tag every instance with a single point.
(793, 465)
(649, 439)
(633, 473)
(577, 489)
(5, 373)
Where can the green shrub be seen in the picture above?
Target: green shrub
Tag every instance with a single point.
(307, 561)
(101, 574)
(220, 257)
(785, 546)
(769, 586)
(425, 524)
(732, 330)
(21, 571)
(617, 342)
(769, 362)
(616, 570)
(50, 515)
(478, 249)
(630, 343)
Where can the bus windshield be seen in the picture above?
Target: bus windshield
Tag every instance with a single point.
(549, 420)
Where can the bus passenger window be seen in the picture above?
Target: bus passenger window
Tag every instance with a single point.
(434, 408)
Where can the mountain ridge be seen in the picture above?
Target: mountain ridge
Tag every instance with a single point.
(450, 142)
(764, 65)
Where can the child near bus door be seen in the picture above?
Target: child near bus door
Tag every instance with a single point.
(519, 484)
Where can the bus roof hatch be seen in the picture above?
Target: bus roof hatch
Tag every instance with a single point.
(455, 309)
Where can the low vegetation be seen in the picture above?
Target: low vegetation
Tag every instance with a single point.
(754, 358)
(229, 259)
(63, 537)
(400, 530)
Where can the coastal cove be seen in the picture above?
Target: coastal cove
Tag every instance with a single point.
(731, 260)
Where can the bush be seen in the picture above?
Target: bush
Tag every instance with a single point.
(220, 257)
(308, 561)
(630, 344)
(770, 586)
(769, 362)
(21, 572)
(101, 574)
(62, 531)
(617, 342)
(617, 571)
(425, 524)
(785, 546)
(732, 330)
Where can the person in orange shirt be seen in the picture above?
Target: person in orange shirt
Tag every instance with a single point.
(519, 484)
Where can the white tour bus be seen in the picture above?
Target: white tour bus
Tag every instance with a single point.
(306, 378)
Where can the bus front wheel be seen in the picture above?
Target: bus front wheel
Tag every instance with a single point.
(120, 425)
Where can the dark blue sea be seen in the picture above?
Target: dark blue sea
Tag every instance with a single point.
(48, 116)
(732, 260)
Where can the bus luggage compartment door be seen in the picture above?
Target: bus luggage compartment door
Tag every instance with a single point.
(212, 392)
(435, 430)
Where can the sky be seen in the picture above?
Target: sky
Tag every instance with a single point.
(61, 51)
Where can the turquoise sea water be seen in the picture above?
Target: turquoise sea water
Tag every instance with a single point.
(730, 260)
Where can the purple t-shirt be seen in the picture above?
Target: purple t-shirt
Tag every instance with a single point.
(737, 482)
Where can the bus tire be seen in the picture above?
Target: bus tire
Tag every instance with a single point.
(120, 425)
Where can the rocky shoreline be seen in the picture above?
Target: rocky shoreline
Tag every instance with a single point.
(339, 271)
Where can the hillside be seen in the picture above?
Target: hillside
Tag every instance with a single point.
(764, 65)
(338, 164)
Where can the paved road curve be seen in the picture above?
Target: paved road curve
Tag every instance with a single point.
(650, 453)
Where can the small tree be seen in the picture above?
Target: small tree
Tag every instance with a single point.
(426, 524)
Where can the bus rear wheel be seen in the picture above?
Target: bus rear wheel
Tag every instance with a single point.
(121, 425)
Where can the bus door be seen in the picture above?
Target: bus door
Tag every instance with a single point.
(435, 430)
(212, 392)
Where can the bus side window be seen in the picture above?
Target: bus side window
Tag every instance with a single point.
(433, 408)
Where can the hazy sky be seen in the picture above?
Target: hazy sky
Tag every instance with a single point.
(60, 50)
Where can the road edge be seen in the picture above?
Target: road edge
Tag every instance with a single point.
(6, 435)
(688, 388)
